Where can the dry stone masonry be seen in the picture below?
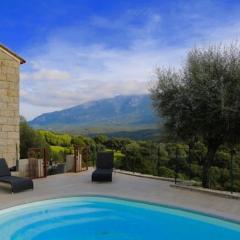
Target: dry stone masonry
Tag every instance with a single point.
(9, 105)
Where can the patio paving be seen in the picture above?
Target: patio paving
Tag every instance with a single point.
(132, 187)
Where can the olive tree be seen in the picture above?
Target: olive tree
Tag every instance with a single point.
(202, 99)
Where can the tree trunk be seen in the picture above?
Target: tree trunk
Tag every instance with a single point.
(207, 164)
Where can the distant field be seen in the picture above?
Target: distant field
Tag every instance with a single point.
(137, 134)
(57, 148)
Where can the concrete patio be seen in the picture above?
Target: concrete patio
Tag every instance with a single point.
(132, 187)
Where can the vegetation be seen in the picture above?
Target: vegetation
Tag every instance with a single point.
(148, 157)
(201, 102)
(63, 140)
(29, 138)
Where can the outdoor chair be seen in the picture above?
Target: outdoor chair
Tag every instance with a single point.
(104, 167)
(18, 184)
(59, 168)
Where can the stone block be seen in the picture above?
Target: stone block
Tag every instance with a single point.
(13, 135)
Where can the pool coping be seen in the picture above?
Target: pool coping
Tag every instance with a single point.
(218, 193)
(184, 184)
(171, 206)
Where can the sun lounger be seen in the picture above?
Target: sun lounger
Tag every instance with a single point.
(18, 184)
(104, 167)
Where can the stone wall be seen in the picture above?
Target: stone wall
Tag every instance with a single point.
(9, 108)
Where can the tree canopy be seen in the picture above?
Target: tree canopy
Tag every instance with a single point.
(202, 100)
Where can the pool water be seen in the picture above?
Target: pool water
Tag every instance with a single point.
(90, 218)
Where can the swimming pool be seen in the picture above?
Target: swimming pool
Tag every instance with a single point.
(90, 218)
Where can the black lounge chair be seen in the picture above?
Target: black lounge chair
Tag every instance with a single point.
(104, 165)
(18, 184)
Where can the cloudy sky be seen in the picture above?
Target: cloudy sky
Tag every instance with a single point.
(82, 50)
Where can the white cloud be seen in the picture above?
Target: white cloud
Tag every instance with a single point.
(61, 74)
(46, 74)
(89, 73)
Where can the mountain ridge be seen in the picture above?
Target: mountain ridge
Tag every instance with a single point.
(120, 113)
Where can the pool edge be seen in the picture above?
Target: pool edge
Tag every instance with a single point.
(164, 205)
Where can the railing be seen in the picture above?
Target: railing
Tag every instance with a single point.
(182, 167)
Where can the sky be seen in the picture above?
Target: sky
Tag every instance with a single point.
(83, 50)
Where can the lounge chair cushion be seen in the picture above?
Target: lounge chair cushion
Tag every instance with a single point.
(104, 160)
(4, 170)
(18, 184)
(102, 175)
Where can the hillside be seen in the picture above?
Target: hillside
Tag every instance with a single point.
(118, 114)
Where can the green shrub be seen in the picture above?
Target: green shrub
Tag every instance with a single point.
(30, 138)
(166, 172)
(55, 139)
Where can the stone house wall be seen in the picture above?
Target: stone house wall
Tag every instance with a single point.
(9, 107)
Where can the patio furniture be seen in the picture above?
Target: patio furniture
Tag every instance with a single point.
(104, 166)
(18, 184)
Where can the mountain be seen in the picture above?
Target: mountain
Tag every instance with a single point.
(118, 114)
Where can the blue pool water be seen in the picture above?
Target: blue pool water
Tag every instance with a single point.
(90, 218)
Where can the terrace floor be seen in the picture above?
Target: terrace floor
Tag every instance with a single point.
(131, 187)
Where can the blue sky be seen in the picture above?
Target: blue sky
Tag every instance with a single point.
(82, 50)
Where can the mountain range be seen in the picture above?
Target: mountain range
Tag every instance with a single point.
(117, 115)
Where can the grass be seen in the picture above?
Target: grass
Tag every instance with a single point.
(117, 154)
(57, 149)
